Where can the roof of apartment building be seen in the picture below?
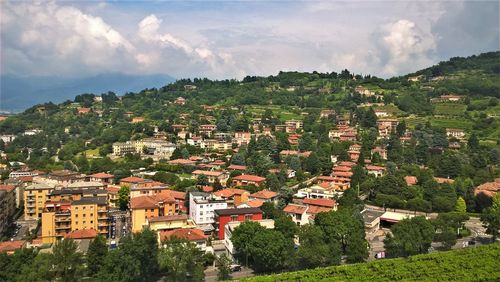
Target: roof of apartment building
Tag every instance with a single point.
(295, 209)
(7, 188)
(102, 175)
(238, 211)
(329, 203)
(264, 194)
(190, 234)
(229, 192)
(172, 217)
(100, 200)
(249, 177)
(81, 234)
(66, 191)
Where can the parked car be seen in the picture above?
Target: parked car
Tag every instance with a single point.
(235, 267)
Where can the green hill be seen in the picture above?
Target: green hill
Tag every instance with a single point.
(470, 264)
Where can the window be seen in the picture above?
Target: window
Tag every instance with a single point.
(152, 210)
(91, 214)
(299, 217)
(84, 207)
(84, 222)
(84, 215)
(234, 218)
(76, 215)
(248, 217)
(91, 221)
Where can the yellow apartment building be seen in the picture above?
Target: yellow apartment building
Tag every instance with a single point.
(60, 218)
(35, 197)
(146, 207)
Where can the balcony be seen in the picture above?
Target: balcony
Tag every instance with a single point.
(103, 224)
(63, 219)
(102, 218)
(63, 226)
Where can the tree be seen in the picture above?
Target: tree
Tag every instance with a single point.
(312, 164)
(224, 267)
(306, 142)
(95, 255)
(448, 226)
(461, 206)
(473, 143)
(409, 237)
(357, 247)
(491, 218)
(285, 225)
(242, 238)
(124, 197)
(179, 258)
(272, 182)
(314, 251)
(67, 261)
(271, 251)
(119, 266)
(202, 180)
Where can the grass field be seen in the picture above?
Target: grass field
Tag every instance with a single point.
(281, 113)
(469, 264)
(449, 109)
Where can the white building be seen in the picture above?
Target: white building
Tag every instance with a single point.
(202, 207)
(7, 138)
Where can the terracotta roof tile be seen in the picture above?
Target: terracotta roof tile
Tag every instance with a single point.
(7, 188)
(249, 177)
(229, 192)
(329, 203)
(295, 209)
(191, 234)
(10, 246)
(102, 175)
(264, 194)
(81, 234)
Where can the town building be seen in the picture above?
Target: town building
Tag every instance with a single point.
(212, 176)
(248, 179)
(224, 216)
(233, 197)
(147, 207)
(202, 206)
(35, 197)
(193, 235)
(61, 218)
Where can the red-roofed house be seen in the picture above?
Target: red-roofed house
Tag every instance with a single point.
(375, 170)
(182, 162)
(224, 216)
(238, 196)
(10, 247)
(411, 180)
(237, 167)
(82, 111)
(193, 235)
(104, 178)
(212, 176)
(82, 234)
(297, 213)
(265, 196)
(489, 188)
(326, 203)
(248, 179)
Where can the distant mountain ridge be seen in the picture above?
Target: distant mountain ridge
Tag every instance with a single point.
(18, 93)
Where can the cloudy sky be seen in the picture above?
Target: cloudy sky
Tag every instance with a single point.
(226, 39)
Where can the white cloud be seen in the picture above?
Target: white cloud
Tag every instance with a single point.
(254, 38)
(404, 47)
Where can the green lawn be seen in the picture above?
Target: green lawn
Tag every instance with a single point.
(282, 113)
(449, 109)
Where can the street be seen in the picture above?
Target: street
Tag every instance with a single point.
(211, 274)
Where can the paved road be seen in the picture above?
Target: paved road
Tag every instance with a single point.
(211, 274)
(430, 215)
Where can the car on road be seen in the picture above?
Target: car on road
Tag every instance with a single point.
(235, 267)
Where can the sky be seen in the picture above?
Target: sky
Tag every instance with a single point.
(232, 39)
